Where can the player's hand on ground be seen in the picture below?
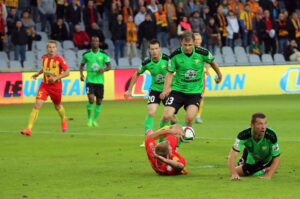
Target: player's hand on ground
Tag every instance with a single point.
(52, 79)
(235, 177)
(82, 78)
(101, 70)
(35, 76)
(127, 94)
(218, 79)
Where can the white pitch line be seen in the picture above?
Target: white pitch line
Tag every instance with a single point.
(202, 167)
(287, 139)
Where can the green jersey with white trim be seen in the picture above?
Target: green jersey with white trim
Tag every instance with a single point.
(189, 69)
(158, 71)
(263, 150)
(95, 61)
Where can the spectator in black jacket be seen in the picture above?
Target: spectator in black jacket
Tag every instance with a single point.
(294, 28)
(19, 39)
(11, 20)
(267, 25)
(119, 37)
(89, 15)
(96, 32)
(146, 32)
(282, 33)
(59, 30)
(73, 16)
(291, 52)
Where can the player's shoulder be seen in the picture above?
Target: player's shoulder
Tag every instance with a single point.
(201, 51)
(146, 61)
(175, 52)
(244, 134)
(165, 57)
(102, 51)
(45, 56)
(86, 52)
(271, 135)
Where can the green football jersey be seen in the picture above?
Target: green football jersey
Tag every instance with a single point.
(189, 69)
(158, 71)
(95, 61)
(262, 151)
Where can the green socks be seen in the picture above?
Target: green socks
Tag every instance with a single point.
(148, 123)
(97, 111)
(89, 108)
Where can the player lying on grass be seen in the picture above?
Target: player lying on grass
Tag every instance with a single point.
(163, 156)
(261, 150)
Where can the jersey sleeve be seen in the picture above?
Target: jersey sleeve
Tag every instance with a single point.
(63, 64)
(83, 60)
(172, 65)
(173, 141)
(150, 147)
(209, 58)
(275, 149)
(142, 69)
(238, 144)
(106, 58)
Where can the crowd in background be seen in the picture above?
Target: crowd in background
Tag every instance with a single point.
(270, 24)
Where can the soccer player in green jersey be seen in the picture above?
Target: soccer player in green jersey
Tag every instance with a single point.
(95, 59)
(187, 84)
(261, 150)
(157, 65)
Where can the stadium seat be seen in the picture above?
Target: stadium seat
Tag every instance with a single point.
(227, 51)
(68, 45)
(267, 59)
(217, 52)
(113, 63)
(254, 60)
(229, 60)
(41, 53)
(59, 46)
(44, 36)
(279, 59)
(124, 63)
(69, 54)
(165, 51)
(3, 56)
(80, 53)
(3, 63)
(174, 44)
(238, 51)
(30, 55)
(41, 45)
(110, 44)
(219, 60)
(29, 64)
(15, 66)
(242, 60)
(136, 62)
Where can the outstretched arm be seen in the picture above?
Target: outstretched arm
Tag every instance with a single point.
(175, 130)
(231, 165)
(273, 168)
(132, 82)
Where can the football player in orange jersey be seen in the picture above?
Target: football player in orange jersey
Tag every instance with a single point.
(54, 69)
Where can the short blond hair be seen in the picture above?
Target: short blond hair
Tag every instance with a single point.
(52, 42)
(197, 34)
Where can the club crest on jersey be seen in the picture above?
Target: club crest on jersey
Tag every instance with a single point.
(197, 61)
(163, 66)
(190, 74)
(100, 58)
(263, 148)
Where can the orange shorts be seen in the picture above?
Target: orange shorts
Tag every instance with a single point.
(52, 90)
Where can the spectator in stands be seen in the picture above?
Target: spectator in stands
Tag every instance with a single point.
(96, 32)
(28, 24)
(3, 16)
(11, 4)
(213, 35)
(255, 47)
(22, 6)
(253, 6)
(197, 23)
(225, 7)
(180, 12)
(232, 29)
(183, 26)
(113, 15)
(34, 10)
(294, 28)
(161, 26)
(100, 5)
(73, 16)
(237, 7)
(282, 33)
(221, 22)
(170, 11)
(81, 39)
(146, 32)
(131, 38)
(247, 22)
(127, 10)
(213, 5)
(119, 37)
(59, 30)
(205, 14)
(60, 8)
(11, 20)
(140, 16)
(267, 30)
(152, 7)
(272, 6)
(291, 52)
(191, 7)
(19, 39)
(47, 10)
(90, 15)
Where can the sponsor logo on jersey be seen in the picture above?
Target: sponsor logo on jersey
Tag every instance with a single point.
(159, 78)
(95, 67)
(190, 74)
(275, 147)
(236, 144)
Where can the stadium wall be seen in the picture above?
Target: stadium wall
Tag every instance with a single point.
(18, 88)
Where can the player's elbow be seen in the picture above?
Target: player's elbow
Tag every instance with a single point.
(179, 167)
(67, 73)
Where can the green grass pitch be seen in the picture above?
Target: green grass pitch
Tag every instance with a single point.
(106, 162)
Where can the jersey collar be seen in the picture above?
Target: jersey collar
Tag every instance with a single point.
(185, 54)
(158, 60)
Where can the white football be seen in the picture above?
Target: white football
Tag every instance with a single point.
(188, 134)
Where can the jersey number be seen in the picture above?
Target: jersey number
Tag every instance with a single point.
(151, 99)
(87, 90)
(170, 100)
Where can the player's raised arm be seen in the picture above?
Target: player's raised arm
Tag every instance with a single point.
(175, 130)
(132, 82)
(34, 76)
(167, 85)
(231, 165)
(216, 68)
(177, 166)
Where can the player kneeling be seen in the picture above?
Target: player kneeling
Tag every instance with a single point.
(163, 156)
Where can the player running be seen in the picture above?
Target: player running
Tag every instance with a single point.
(163, 157)
(198, 41)
(95, 59)
(187, 84)
(261, 150)
(157, 65)
(54, 69)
